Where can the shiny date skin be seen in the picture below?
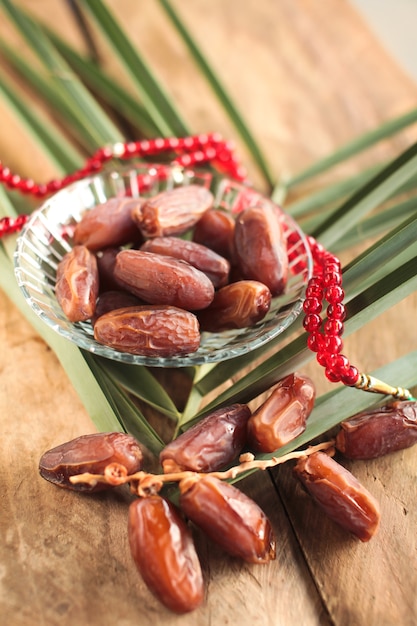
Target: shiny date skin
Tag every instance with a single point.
(260, 247)
(283, 415)
(149, 330)
(163, 551)
(172, 212)
(210, 444)
(217, 268)
(215, 230)
(159, 279)
(90, 453)
(106, 262)
(372, 434)
(109, 224)
(339, 494)
(238, 305)
(77, 284)
(229, 517)
(113, 300)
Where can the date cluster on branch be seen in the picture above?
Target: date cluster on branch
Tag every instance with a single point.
(214, 450)
(153, 273)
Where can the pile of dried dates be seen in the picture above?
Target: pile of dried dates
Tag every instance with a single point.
(204, 457)
(153, 273)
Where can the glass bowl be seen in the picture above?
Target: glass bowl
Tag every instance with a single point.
(46, 237)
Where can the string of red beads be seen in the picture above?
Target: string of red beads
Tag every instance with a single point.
(189, 151)
(326, 338)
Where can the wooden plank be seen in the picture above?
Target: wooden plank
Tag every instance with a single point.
(306, 83)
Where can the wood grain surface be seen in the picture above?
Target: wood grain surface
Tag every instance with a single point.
(308, 76)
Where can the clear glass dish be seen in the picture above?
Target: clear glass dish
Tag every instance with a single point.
(46, 237)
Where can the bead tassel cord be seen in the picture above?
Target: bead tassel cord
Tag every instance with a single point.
(325, 285)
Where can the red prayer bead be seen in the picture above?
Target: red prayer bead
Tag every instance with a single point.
(333, 327)
(312, 305)
(312, 322)
(351, 376)
(332, 376)
(334, 294)
(336, 311)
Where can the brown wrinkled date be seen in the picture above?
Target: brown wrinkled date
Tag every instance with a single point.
(164, 553)
(210, 444)
(90, 453)
(215, 230)
(202, 258)
(106, 262)
(339, 494)
(375, 433)
(108, 224)
(283, 415)
(149, 330)
(160, 279)
(77, 284)
(229, 518)
(113, 300)
(260, 247)
(238, 305)
(172, 212)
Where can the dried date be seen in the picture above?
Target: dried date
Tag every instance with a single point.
(229, 517)
(210, 444)
(113, 300)
(149, 330)
(163, 551)
(375, 433)
(339, 494)
(238, 305)
(109, 224)
(283, 415)
(260, 247)
(202, 258)
(106, 262)
(90, 453)
(77, 284)
(172, 212)
(215, 229)
(159, 279)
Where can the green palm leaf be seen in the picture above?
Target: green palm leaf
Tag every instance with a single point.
(159, 106)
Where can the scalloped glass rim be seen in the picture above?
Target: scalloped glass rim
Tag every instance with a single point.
(42, 243)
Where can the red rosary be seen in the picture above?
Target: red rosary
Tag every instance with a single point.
(325, 285)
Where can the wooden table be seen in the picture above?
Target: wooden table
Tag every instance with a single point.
(309, 76)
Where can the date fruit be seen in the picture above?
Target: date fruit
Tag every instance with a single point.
(375, 433)
(90, 453)
(163, 551)
(238, 305)
(283, 415)
(339, 494)
(149, 330)
(215, 229)
(202, 258)
(172, 212)
(210, 444)
(159, 279)
(260, 247)
(109, 224)
(106, 262)
(77, 284)
(229, 517)
(113, 300)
